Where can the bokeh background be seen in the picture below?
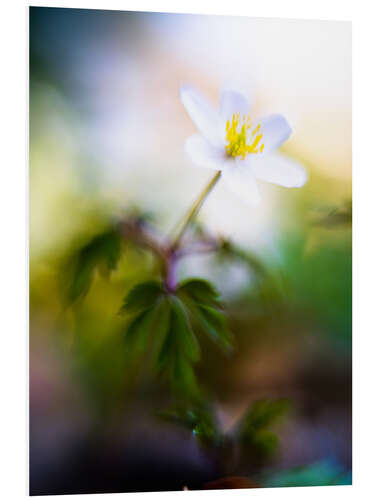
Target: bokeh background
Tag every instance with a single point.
(107, 131)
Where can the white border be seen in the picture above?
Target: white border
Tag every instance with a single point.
(14, 206)
(339, 11)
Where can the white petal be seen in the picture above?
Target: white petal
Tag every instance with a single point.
(275, 130)
(278, 169)
(241, 181)
(232, 102)
(203, 114)
(203, 154)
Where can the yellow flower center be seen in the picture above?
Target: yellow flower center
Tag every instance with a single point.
(238, 135)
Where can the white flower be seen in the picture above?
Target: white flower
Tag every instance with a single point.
(231, 142)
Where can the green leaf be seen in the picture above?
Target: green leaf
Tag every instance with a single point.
(214, 322)
(253, 431)
(103, 250)
(180, 340)
(180, 327)
(136, 333)
(80, 277)
(146, 332)
(161, 323)
(179, 351)
(109, 248)
(202, 299)
(199, 290)
(198, 420)
(142, 296)
(167, 351)
(264, 412)
(177, 368)
(183, 377)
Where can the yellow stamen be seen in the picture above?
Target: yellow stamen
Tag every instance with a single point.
(237, 135)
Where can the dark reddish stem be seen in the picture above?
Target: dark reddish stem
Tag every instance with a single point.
(171, 272)
(142, 234)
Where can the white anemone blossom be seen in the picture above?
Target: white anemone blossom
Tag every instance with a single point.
(242, 149)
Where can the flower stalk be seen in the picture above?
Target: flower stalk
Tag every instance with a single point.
(194, 209)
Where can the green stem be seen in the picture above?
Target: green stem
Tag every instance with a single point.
(192, 213)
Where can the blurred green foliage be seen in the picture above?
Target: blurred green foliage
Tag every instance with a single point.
(204, 304)
(251, 436)
(254, 429)
(319, 280)
(102, 252)
(200, 421)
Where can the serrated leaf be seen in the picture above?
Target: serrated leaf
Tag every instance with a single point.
(187, 344)
(179, 351)
(161, 327)
(167, 351)
(136, 333)
(142, 296)
(147, 330)
(200, 291)
(180, 340)
(214, 322)
(177, 368)
(81, 277)
(183, 377)
(103, 250)
(202, 300)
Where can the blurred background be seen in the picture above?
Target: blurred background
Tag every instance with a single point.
(107, 131)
